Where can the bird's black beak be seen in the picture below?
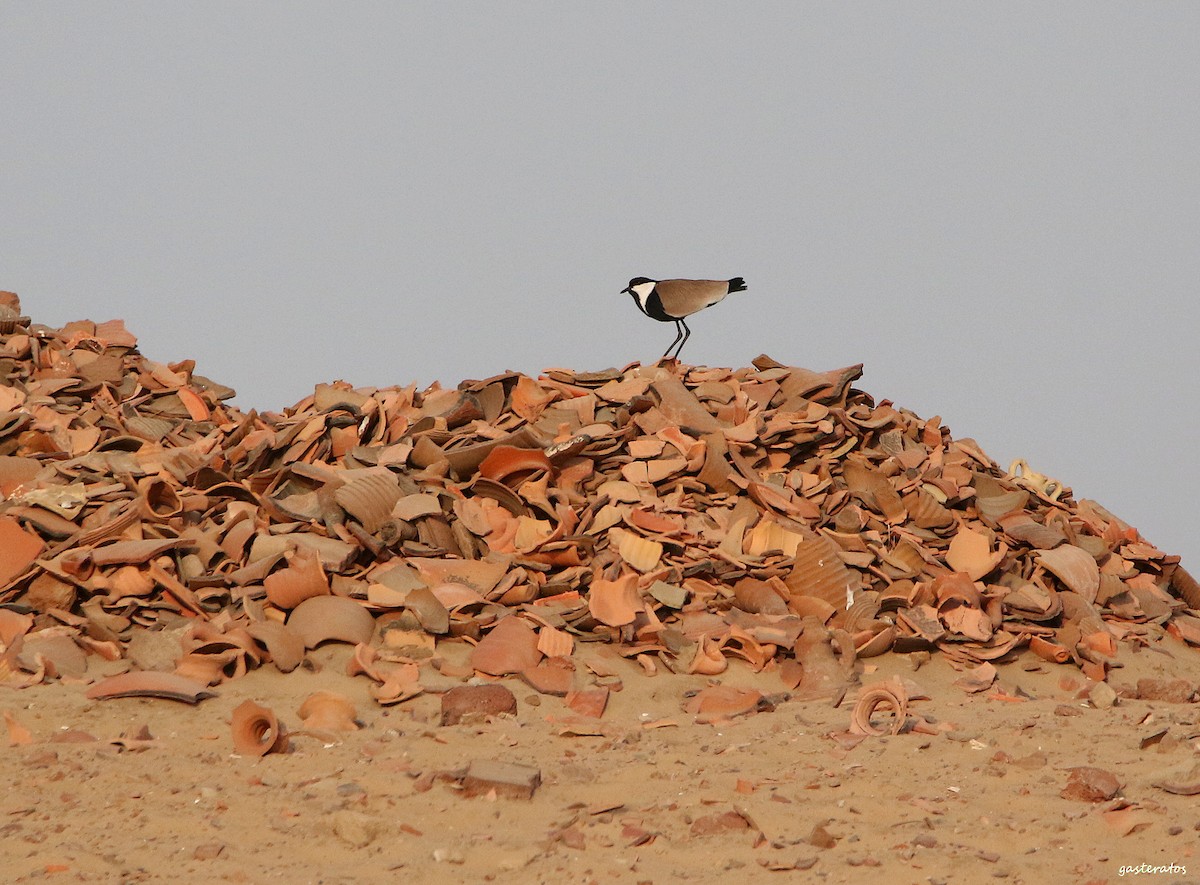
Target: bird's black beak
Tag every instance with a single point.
(625, 291)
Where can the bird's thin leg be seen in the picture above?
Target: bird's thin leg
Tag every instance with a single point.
(687, 333)
(678, 335)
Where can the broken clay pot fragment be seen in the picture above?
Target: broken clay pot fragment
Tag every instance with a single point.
(328, 711)
(331, 618)
(256, 731)
(147, 684)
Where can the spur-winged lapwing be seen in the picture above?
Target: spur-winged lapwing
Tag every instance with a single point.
(669, 301)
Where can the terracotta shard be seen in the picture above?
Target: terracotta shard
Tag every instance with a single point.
(16, 472)
(13, 625)
(826, 671)
(476, 701)
(18, 549)
(302, 579)
(509, 647)
(758, 597)
(877, 644)
(1129, 820)
(717, 824)
(874, 490)
(927, 511)
(891, 696)
(553, 676)
(160, 499)
(591, 702)
(369, 498)
(429, 610)
(615, 602)
(256, 731)
(1088, 784)
(510, 465)
(456, 596)
(670, 595)
(994, 507)
(146, 684)
(465, 460)
(1048, 650)
(791, 672)
(480, 576)
(331, 618)
(1024, 529)
(1076, 568)
(723, 702)
(413, 507)
(134, 552)
(681, 407)
(1185, 628)
(1186, 587)
(285, 648)
(819, 572)
(59, 652)
(641, 553)
(555, 643)
(707, 658)
(971, 552)
(979, 679)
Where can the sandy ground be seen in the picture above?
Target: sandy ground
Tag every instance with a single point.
(652, 797)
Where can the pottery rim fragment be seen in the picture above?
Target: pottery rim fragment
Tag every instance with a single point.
(256, 731)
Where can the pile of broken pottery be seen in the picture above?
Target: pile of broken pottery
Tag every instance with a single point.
(685, 516)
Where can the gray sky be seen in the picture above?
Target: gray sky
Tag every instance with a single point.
(996, 207)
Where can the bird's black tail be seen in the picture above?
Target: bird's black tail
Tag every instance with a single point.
(737, 284)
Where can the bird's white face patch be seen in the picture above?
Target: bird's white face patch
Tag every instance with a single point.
(641, 292)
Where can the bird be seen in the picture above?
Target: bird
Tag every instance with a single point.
(670, 301)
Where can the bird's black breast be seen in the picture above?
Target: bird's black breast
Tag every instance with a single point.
(654, 309)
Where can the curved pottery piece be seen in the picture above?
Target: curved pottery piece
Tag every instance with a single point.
(331, 618)
(878, 643)
(256, 731)
(708, 659)
(641, 553)
(370, 498)
(971, 552)
(160, 500)
(758, 597)
(826, 673)
(615, 603)
(209, 669)
(150, 685)
(891, 696)
(284, 646)
(328, 711)
(303, 579)
(505, 462)
(1075, 567)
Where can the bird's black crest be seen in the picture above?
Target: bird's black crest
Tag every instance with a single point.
(637, 281)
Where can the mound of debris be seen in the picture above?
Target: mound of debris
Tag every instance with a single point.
(684, 515)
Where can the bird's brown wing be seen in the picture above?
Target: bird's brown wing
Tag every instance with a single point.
(681, 298)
